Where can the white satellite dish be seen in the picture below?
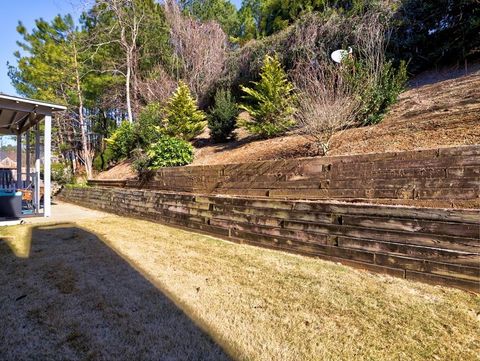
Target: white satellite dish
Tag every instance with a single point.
(338, 55)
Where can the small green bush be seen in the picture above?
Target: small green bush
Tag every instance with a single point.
(183, 119)
(61, 173)
(271, 103)
(149, 119)
(377, 97)
(165, 152)
(222, 117)
(103, 160)
(123, 141)
(76, 185)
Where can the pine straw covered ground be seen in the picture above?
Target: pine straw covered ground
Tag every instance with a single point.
(445, 113)
(436, 112)
(103, 289)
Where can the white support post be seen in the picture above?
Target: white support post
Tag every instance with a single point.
(47, 147)
(19, 161)
(37, 169)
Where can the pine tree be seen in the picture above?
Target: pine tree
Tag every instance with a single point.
(221, 11)
(222, 117)
(271, 103)
(183, 118)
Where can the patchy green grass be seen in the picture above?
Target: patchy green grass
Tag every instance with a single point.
(260, 304)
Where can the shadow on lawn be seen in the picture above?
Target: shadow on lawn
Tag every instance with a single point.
(69, 296)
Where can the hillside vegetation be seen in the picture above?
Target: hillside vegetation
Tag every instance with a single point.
(174, 83)
(443, 113)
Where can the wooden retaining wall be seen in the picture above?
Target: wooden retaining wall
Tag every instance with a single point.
(440, 246)
(445, 177)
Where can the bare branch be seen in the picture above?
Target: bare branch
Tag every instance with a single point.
(200, 50)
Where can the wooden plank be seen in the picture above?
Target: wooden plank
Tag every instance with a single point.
(471, 172)
(444, 281)
(107, 183)
(295, 245)
(448, 215)
(419, 173)
(324, 218)
(418, 265)
(299, 193)
(271, 231)
(447, 193)
(401, 183)
(415, 238)
(471, 160)
(470, 272)
(469, 150)
(414, 225)
(243, 192)
(247, 202)
(429, 253)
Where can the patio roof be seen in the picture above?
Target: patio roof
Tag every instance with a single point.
(17, 114)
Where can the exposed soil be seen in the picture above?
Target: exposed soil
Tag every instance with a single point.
(445, 113)
(123, 170)
(433, 113)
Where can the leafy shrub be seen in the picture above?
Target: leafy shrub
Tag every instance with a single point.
(103, 159)
(222, 117)
(76, 185)
(61, 173)
(376, 97)
(165, 152)
(271, 101)
(183, 119)
(123, 140)
(149, 119)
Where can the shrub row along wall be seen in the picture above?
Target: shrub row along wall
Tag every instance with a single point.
(446, 177)
(434, 245)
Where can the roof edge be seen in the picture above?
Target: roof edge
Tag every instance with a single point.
(55, 107)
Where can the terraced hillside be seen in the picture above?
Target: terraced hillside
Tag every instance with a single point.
(441, 114)
(445, 113)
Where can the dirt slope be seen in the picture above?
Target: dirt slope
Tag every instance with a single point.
(122, 170)
(440, 113)
(445, 113)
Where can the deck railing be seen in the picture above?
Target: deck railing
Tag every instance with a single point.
(7, 180)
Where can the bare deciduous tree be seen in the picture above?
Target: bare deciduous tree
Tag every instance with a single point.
(127, 22)
(88, 151)
(326, 104)
(200, 49)
(328, 101)
(370, 37)
(158, 87)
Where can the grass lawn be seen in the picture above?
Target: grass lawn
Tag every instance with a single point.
(120, 288)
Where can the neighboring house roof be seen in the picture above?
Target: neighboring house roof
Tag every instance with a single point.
(7, 163)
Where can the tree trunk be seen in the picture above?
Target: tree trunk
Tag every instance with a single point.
(128, 74)
(87, 152)
(127, 89)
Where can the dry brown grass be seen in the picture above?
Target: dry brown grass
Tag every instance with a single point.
(260, 304)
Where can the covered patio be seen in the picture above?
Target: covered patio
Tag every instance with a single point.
(23, 191)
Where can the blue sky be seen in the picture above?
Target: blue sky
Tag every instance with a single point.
(27, 11)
